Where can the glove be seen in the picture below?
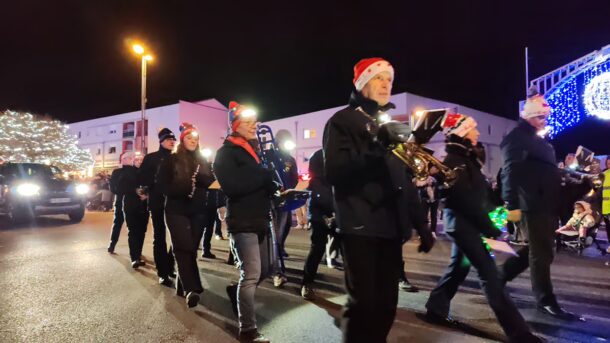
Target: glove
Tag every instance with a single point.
(393, 132)
(426, 242)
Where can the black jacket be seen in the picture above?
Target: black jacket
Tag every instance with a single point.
(530, 177)
(128, 181)
(247, 187)
(321, 199)
(114, 181)
(372, 190)
(470, 198)
(149, 171)
(175, 181)
(290, 171)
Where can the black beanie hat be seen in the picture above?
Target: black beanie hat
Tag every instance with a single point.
(166, 133)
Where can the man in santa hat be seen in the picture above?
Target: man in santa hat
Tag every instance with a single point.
(530, 189)
(371, 198)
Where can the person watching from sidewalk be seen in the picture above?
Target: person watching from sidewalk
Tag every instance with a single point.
(249, 188)
(164, 259)
(184, 178)
(119, 218)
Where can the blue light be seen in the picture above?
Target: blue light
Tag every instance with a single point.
(568, 100)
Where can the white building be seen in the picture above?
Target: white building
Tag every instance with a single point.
(307, 129)
(107, 137)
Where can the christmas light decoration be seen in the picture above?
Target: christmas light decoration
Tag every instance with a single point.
(499, 217)
(584, 94)
(597, 96)
(27, 138)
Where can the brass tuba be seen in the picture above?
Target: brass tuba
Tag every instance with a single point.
(419, 159)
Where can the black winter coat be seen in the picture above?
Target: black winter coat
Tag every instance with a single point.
(470, 198)
(149, 171)
(530, 177)
(247, 187)
(373, 193)
(290, 171)
(175, 181)
(128, 181)
(321, 199)
(114, 181)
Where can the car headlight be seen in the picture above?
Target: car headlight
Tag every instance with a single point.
(82, 189)
(28, 189)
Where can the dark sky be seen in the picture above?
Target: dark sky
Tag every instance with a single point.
(68, 59)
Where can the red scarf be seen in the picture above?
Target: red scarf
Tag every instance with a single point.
(242, 142)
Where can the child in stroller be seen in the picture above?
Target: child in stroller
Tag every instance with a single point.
(581, 230)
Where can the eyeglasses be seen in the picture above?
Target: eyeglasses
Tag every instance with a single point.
(542, 117)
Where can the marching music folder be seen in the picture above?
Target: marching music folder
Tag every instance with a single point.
(214, 185)
(500, 246)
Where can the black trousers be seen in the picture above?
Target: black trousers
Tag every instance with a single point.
(118, 220)
(185, 233)
(208, 231)
(164, 259)
(217, 225)
(319, 239)
(372, 268)
(432, 209)
(539, 229)
(468, 250)
(137, 222)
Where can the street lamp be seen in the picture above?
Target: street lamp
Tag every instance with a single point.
(139, 50)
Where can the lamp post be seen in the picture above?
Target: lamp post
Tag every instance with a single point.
(139, 49)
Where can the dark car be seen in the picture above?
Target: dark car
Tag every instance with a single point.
(28, 190)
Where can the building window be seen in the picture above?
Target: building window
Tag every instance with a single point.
(112, 150)
(128, 129)
(127, 145)
(112, 131)
(78, 134)
(307, 134)
(99, 151)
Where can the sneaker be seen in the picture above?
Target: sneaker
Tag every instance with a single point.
(252, 336)
(208, 255)
(192, 299)
(111, 248)
(406, 286)
(279, 280)
(232, 293)
(218, 237)
(332, 263)
(135, 264)
(166, 281)
(307, 292)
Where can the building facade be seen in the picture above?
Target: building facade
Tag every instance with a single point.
(107, 137)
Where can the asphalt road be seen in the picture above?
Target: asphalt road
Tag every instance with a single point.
(58, 284)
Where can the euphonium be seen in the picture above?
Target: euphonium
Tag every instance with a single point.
(419, 159)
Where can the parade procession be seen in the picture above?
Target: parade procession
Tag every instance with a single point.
(384, 216)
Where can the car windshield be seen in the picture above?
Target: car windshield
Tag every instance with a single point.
(30, 170)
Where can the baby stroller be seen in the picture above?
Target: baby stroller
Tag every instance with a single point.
(571, 241)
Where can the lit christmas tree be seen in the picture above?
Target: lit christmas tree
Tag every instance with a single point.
(27, 138)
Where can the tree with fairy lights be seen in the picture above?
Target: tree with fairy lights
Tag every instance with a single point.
(28, 138)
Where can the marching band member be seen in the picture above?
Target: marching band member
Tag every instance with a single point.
(530, 189)
(184, 178)
(368, 198)
(465, 220)
(248, 188)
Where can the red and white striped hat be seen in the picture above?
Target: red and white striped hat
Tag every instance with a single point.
(457, 124)
(367, 68)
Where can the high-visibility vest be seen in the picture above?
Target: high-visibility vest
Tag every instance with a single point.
(606, 193)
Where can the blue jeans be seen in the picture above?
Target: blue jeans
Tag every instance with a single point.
(254, 256)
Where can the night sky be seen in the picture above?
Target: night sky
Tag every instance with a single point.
(70, 60)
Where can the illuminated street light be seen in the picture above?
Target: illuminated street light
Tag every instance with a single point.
(140, 50)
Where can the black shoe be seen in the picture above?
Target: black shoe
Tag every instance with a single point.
(558, 312)
(179, 289)
(111, 249)
(447, 321)
(171, 275)
(252, 336)
(406, 286)
(208, 255)
(192, 299)
(527, 337)
(135, 264)
(166, 281)
(232, 293)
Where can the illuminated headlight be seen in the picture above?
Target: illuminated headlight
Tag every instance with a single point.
(82, 189)
(28, 189)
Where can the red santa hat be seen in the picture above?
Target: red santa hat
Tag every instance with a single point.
(187, 129)
(457, 124)
(535, 105)
(367, 68)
